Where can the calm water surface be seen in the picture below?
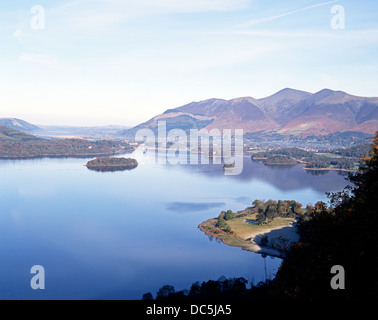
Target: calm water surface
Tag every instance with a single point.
(117, 235)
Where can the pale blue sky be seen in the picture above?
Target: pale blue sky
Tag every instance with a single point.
(100, 62)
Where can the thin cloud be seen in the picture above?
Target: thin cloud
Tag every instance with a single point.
(43, 59)
(195, 5)
(363, 36)
(262, 20)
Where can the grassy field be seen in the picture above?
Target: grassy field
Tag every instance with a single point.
(243, 229)
(231, 239)
(328, 155)
(243, 233)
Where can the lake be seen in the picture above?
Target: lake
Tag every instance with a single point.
(117, 235)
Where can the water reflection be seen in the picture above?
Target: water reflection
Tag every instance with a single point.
(285, 178)
(317, 172)
(193, 206)
(109, 169)
(280, 166)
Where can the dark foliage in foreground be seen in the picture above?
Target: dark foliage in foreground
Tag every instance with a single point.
(222, 288)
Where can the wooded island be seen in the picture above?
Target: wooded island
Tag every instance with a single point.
(112, 164)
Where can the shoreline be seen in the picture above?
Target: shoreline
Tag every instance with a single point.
(247, 242)
(329, 169)
(84, 155)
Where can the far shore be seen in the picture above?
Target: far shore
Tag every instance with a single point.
(59, 156)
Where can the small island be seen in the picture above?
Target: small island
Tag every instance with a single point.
(112, 164)
(229, 166)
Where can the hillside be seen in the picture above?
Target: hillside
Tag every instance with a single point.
(18, 124)
(288, 112)
(8, 134)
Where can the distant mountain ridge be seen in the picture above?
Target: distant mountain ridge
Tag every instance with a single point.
(18, 124)
(288, 112)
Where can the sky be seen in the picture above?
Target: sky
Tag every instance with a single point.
(121, 62)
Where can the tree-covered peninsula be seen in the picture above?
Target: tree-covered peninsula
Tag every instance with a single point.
(266, 227)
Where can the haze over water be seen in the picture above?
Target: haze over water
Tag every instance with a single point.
(118, 235)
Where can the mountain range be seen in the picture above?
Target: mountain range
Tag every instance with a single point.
(288, 112)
